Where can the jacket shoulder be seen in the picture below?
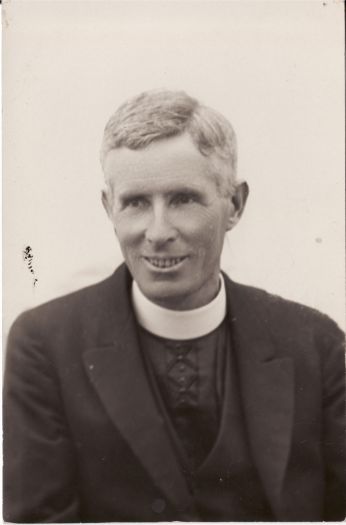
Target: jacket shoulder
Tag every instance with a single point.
(67, 305)
(284, 315)
(81, 311)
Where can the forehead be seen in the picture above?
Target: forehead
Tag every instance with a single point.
(163, 163)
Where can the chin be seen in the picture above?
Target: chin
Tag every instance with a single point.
(163, 295)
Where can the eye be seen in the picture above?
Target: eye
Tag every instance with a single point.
(183, 198)
(136, 202)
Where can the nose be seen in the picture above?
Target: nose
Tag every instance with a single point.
(160, 229)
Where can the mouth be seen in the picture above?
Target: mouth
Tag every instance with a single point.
(164, 263)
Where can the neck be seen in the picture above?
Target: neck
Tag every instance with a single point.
(180, 325)
(198, 299)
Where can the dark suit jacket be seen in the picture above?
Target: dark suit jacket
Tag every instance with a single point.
(85, 440)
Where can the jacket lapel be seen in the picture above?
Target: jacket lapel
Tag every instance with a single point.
(117, 371)
(267, 388)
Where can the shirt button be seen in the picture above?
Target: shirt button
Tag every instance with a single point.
(158, 505)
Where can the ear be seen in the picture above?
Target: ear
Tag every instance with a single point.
(106, 198)
(238, 201)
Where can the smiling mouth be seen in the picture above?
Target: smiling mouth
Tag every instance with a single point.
(164, 262)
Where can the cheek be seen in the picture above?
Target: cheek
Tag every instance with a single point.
(207, 228)
(127, 230)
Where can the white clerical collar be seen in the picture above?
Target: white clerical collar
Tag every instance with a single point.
(176, 324)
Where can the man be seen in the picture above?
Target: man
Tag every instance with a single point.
(167, 391)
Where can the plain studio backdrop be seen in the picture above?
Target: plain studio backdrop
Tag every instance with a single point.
(274, 69)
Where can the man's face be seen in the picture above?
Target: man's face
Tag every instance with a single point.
(170, 219)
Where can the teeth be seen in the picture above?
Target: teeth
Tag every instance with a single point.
(164, 263)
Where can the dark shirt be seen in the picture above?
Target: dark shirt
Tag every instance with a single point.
(189, 375)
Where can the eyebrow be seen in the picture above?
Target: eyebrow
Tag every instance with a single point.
(131, 194)
(138, 193)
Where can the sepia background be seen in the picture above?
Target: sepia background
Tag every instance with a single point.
(274, 69)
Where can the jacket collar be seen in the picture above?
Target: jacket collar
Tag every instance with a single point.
(117, 372)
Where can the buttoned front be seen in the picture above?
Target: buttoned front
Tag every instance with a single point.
(222, 478)
(189, 376)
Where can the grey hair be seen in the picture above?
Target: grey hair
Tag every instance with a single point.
(159, 114)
